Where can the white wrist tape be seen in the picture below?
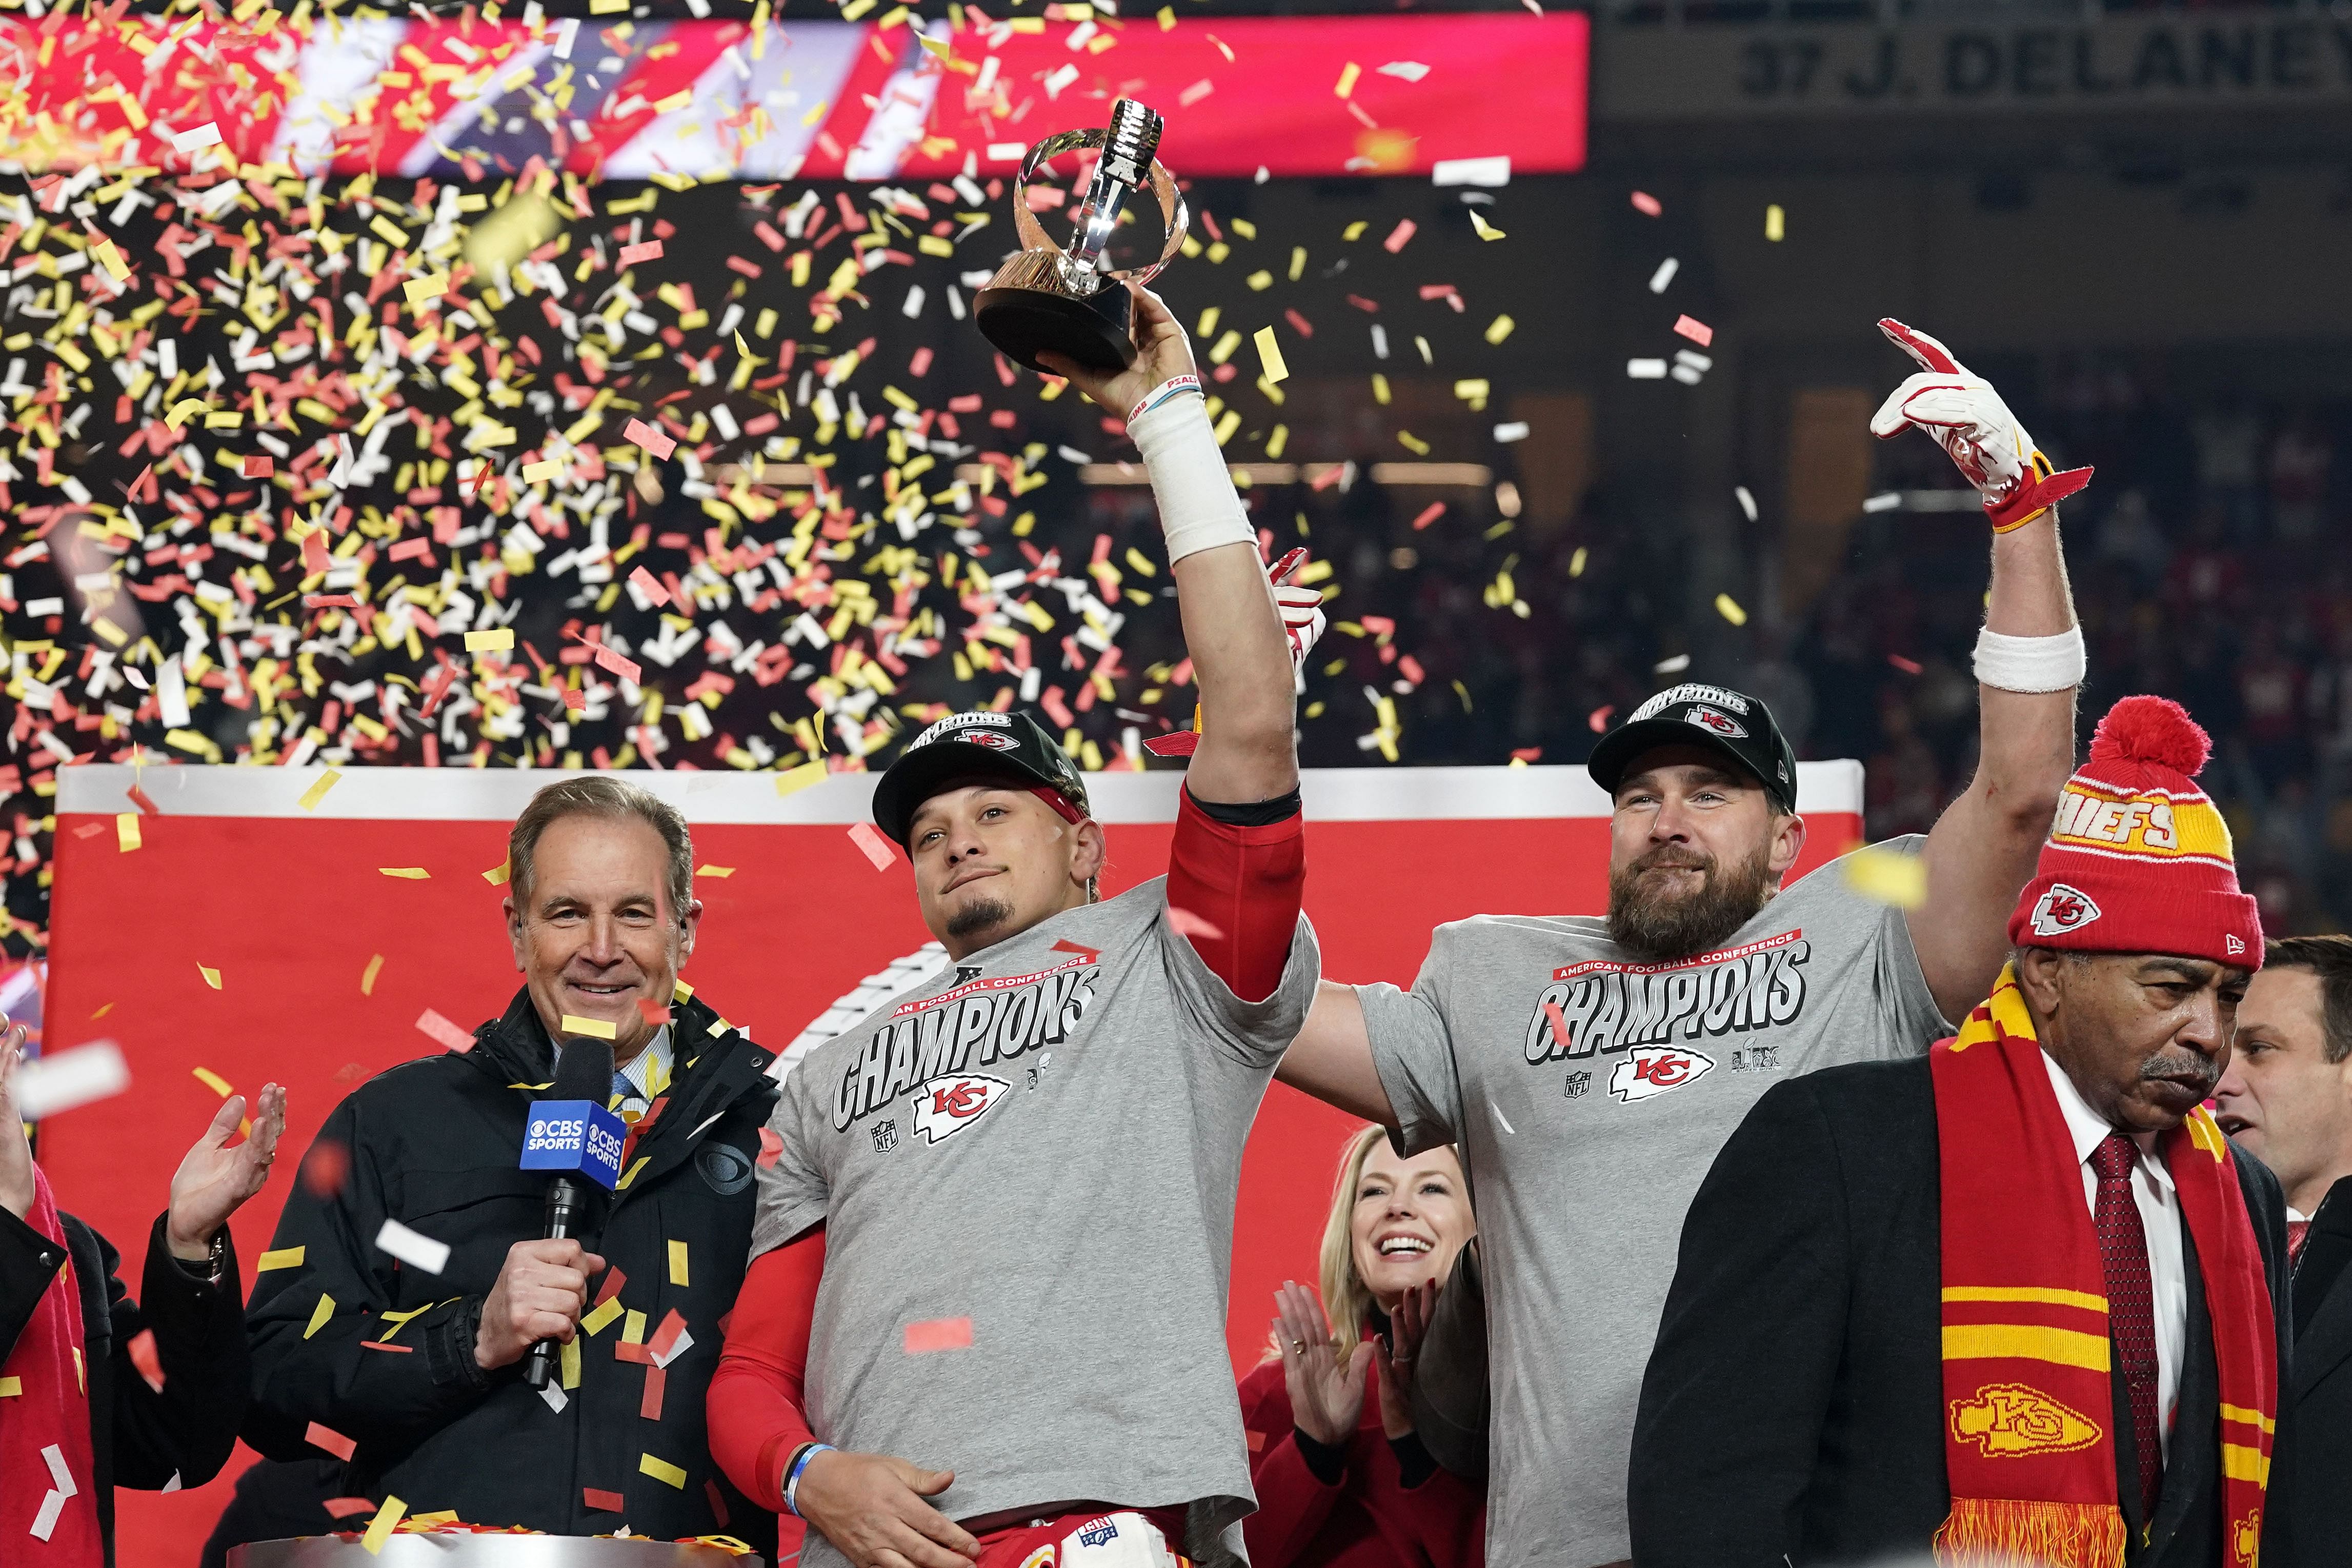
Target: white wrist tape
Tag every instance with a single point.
(1198, 507)
(2030, 664)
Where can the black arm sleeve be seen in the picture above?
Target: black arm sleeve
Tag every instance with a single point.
(1726, 1438)
(1450, 1400)
(306, 1371)
(189, 1426)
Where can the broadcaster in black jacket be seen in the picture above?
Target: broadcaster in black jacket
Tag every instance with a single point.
(190, 1297)
(422, 1372)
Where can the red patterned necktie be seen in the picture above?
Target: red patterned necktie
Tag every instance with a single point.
(2296, 1230)
(2131, 1304)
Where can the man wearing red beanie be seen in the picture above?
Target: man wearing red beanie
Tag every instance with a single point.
(2018, 1300)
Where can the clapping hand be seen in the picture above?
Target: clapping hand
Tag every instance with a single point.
(1327, 1394)
(215, 1179)
(1407, 1326)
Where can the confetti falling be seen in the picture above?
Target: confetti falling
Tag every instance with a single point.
(873, 845)
(939, 1334)
(1889, 877)
(412, 1248)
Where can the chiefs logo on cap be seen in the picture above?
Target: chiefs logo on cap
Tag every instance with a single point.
(1721, 724)
(2060, 909)
(992, 740)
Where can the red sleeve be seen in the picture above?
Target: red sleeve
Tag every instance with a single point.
(1242, 886)
(758, 1409)
(1292, 1503)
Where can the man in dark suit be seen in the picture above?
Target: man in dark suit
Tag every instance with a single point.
(2019, 1296)
(2287, 1100)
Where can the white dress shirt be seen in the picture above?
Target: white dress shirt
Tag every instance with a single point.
(2159, 1217)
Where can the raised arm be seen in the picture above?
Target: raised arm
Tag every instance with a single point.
(1332, 1057)
(1241, 655)
(2029, 662)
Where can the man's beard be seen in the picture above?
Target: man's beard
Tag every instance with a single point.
(1659, 927)
(980, 915)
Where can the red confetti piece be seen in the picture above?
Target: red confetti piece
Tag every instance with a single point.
(1192, 926)
(642, 1355)
(643, 251)
(666, 1337)
(1298, 324)
(653, 1011)
(1696, 331)
(1399, 235)
(146, 805)
(1559, 1025)
(939, 1334)
(143, 1357)
(1066, 945)
(603, 1502)
(1256, 1442)
(257, 467)
(1907, 666)
(614, 1279)
(1429, 514)
(637, 433)
(380, 1345)
(345, 1507)
(1647, 204)
(628, 669)
(446, 1032)
(1527, 754)
(650, 1406)
(922, 364)
(645, 583)
(577, 701)
(876, 847)
(325, 1168)
(418, 549)
(718, 1502)
(1598, 720)
(332, 1441)
(772, 1147)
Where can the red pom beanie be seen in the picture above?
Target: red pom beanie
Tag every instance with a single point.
(2138, 859)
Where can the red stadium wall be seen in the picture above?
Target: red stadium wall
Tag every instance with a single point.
(291, 907)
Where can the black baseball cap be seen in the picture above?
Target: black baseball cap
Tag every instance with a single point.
(1714, 718)
(1010, 746)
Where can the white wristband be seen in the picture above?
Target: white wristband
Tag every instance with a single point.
(1198, 507)
(2030, 664)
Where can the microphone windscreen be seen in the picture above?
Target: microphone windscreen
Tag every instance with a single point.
(583, 1071)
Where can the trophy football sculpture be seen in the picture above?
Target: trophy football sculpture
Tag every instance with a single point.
(1071, 301)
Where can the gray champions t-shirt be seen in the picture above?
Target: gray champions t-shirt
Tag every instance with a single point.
(1584, 1152)
(1037, 1149)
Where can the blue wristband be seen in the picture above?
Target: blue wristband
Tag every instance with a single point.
(793, 1479)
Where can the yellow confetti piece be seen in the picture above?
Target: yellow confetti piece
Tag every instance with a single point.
(1167, 19)
(677, 1274)
(631, 1174)
(633, 1332)
(1499, 328)
(570, 1359)
(126, 831)
(572, 1024)
(661, 1470)
(388, 232)
(318, 792)
(387, 1518)
(598, 1322)
(1889, 877)
(722, 872)
(111, 259)
(1348, 76)
(419, 289)
(498, 639)
(1728, 608)
(533, 473)
(1575, 561)
(367, 979)
(1269, 354)
(211, 1079)
(1775, 223)
(794, 780)
(281, 1257)
(81, 1383)
(1486, 230)
(12, 1387)
(674, 101)
(497, 875)
(212, 978)
(180, 413)
(319, 1314)
(409, 873)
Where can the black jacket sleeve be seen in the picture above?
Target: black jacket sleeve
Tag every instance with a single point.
(189, 1426)
(312, 1367)
(1450, 1400)
(1728, 1429)
(28, 1262)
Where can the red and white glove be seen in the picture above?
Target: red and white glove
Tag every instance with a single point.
(1968, 420)
(1303, 622)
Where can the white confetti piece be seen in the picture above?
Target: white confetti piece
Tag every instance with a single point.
(555, 1397)
(685, 1340)
(206, 135)
(58, 1474)
(412, 1248)
(1515, 430)
(1673, 666)
(1663, 275)
(1405, 70)
(1747, 500)
(565, 31)
(1499, 1121)
(49, 1084)
(45, 1521)
(1884, 500)
(1490, 172)
(1646, 369)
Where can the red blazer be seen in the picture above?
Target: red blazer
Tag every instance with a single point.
(1369, 1519)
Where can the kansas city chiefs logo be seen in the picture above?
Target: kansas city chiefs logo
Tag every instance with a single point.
(945, 1106)
(1649, 1071)
(2063, 908)
(1721, 724)
(992, 740)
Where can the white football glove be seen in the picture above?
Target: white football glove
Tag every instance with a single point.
(1968, 420)
(1303, 623)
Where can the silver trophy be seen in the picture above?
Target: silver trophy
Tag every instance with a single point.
(1069, 301)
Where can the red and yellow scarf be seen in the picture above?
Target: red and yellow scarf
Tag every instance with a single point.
(2028, 1398)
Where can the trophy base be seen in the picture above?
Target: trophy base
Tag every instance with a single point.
(1024, 322)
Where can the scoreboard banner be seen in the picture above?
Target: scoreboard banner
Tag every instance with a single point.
(686, 101)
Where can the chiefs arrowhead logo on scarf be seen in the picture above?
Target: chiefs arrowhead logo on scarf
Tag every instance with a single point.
(2026, 1348)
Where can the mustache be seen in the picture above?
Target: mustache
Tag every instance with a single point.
(2188, 1065)
(1671, 856)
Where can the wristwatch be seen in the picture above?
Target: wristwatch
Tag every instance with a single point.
(215, 1268)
